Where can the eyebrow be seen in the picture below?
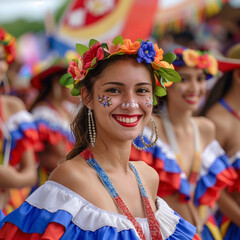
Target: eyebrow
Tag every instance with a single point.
(121, 84)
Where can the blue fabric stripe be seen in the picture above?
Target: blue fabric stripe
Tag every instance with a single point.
(39, 219)
(68, 134)
(73, 232)
(184, 230)
(236, 164)
(209, 180)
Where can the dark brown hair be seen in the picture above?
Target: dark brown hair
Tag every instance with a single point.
(218, 91)
(47, 85)
(79, 124)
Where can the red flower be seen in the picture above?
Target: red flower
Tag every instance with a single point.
(95, 51)
(73, 69)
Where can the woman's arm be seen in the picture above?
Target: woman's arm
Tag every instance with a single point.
(229, 206)
(26, 175)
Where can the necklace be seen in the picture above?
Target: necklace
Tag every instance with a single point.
(153, 223)
(229, 108)
(194, 173)
(193, 176)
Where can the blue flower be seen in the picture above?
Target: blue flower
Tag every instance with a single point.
(146, 52)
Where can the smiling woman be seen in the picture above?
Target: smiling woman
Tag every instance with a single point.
(193, 168)
(116, 81)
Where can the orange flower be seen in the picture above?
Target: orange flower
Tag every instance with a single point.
(213, 68)
(159, 54)
(160, 64)
(190, 57)
(129, 47)
(166, 84)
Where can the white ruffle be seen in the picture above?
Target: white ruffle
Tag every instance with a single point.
(51, 116)
(53, 196)
(15, 120)
(234, 157)
(209, 155)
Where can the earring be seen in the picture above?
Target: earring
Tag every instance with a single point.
(154, 132)
(91, 127)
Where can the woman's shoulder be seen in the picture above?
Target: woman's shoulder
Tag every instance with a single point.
(71, 173)
(207, 129)
(149, 175)
(13, 104)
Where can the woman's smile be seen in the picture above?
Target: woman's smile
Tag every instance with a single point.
(127, 120)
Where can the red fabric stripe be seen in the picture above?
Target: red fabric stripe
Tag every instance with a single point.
(52, 137)
(9, 231)
(224, 179)
(140, 20)
(196, 237)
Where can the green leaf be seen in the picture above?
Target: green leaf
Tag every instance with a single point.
(140, 40)
(170, 74)
(81, 49)
(92, 42)
(67, 80)
(159, 91)
(169, 57)
(154, 100)
(76, 91)
(94, 61)
(104, 45)
(117, 40)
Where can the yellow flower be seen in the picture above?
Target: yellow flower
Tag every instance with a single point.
(190, 57)
(213, 68)
(160, 64)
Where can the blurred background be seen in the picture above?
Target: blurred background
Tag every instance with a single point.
(48, 28)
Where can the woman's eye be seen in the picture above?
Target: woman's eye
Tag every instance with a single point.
(113, 90)
(201, 78)
(184, 79)
(143, 90)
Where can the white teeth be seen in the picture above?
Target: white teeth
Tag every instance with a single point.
(127, 120)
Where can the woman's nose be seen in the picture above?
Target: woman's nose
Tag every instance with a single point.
(129, 104)
(194, 85)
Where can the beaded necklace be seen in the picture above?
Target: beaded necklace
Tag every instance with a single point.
(229, 108)
(193, 176)
(153, 223)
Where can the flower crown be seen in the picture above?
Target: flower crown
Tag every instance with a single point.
(195, 58)
(144, 50)
(9, 43)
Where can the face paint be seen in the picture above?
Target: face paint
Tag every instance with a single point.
(104, 100)
(132, 104)
(178, 88)
(149, 102)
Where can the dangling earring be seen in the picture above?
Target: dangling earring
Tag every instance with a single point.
(154, 132)
(91, 127)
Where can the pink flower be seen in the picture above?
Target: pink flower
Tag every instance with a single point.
(203, 61)
(95, 51)
(76, 73)
(112, 48)
(178, 51)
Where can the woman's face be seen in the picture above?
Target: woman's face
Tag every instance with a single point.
(188, 93)
(3, 62)
(122, 100)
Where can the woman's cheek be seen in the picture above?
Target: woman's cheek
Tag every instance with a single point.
(104, 100)
(146, 104)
